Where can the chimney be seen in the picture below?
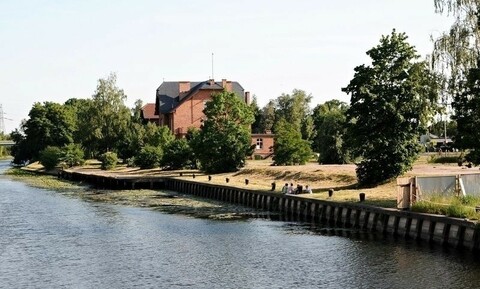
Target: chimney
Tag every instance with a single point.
(247, 97)
(227, 85)
(211, 81)
(183, 86)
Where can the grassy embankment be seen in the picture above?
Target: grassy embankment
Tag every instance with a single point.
(261, 175)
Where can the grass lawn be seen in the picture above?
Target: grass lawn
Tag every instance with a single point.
(321, 178)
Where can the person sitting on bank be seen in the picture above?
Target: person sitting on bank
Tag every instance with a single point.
(308, 190)
(290, 189)
(285, 189)
(298, 190)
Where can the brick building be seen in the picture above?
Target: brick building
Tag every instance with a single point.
(148, 113)
(263, 144)
(179, 105)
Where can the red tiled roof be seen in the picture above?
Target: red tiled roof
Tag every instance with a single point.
(148, 111)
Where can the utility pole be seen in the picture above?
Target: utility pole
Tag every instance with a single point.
(2, 120)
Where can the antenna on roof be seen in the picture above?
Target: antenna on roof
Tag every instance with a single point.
(212, 67)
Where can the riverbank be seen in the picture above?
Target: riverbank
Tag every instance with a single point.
(321, 178)
(166, 201)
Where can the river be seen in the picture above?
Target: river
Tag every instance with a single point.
(54, 240)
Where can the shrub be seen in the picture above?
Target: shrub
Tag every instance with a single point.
(257, 157)
(178, 154)
(73, 155)
(428, 207)
(444, 160)
(109, 160)
(149, 157)
(50, 157)
(458, 211)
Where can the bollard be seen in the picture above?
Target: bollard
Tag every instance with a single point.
(330, 193)
(227, 180)
(273, 186)
(246, 181)
(209, 178)
(362, 197)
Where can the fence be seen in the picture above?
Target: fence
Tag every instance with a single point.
(409, 190)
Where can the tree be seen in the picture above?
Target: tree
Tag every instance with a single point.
(137, 111)
(391, 103)
(457, 50)
(467, 116)
(267, 117)
(49, 124)
(105, 120)
(149, 157)
(177, 155)
(50, 157)
(224, 140)
(289, 147)
(257, 113)
(295, 108)
(329, 120)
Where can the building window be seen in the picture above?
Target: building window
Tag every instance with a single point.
(259, 143)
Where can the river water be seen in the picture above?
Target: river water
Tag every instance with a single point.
(53, 240)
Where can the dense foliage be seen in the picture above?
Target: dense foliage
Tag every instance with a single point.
(109, 160)
(329, 119)
(467, 116)
(50, 157)
(49, 124)
(105, 121)
(72, 155)
(149, 157)
(224, 139)
(391, 103)
(289, 147)
(178, 155)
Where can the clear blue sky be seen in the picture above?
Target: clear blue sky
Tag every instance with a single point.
(54, 50)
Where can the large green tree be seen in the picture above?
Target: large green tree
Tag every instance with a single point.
(467, 116)
(295, 108)
(458, 49)
(289, 147)
(49, 124)
(329, 119)
(267, 117)
(104, 123)
(391, 102)
(224, 140)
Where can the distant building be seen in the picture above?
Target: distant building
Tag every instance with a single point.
(433, 142)
(179, 104)
(263, 144)
(148, 113)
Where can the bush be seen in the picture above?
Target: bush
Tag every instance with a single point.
(109, 160)
(50, 157)
(178, 155)
(257, 157)
(149, 157)
(73, 155)
(444, 160)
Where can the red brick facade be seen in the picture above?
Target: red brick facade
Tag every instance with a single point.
(263, 144)
(180, 104)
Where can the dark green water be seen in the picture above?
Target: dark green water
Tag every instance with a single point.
(50, 240)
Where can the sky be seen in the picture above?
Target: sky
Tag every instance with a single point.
(56, 50)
